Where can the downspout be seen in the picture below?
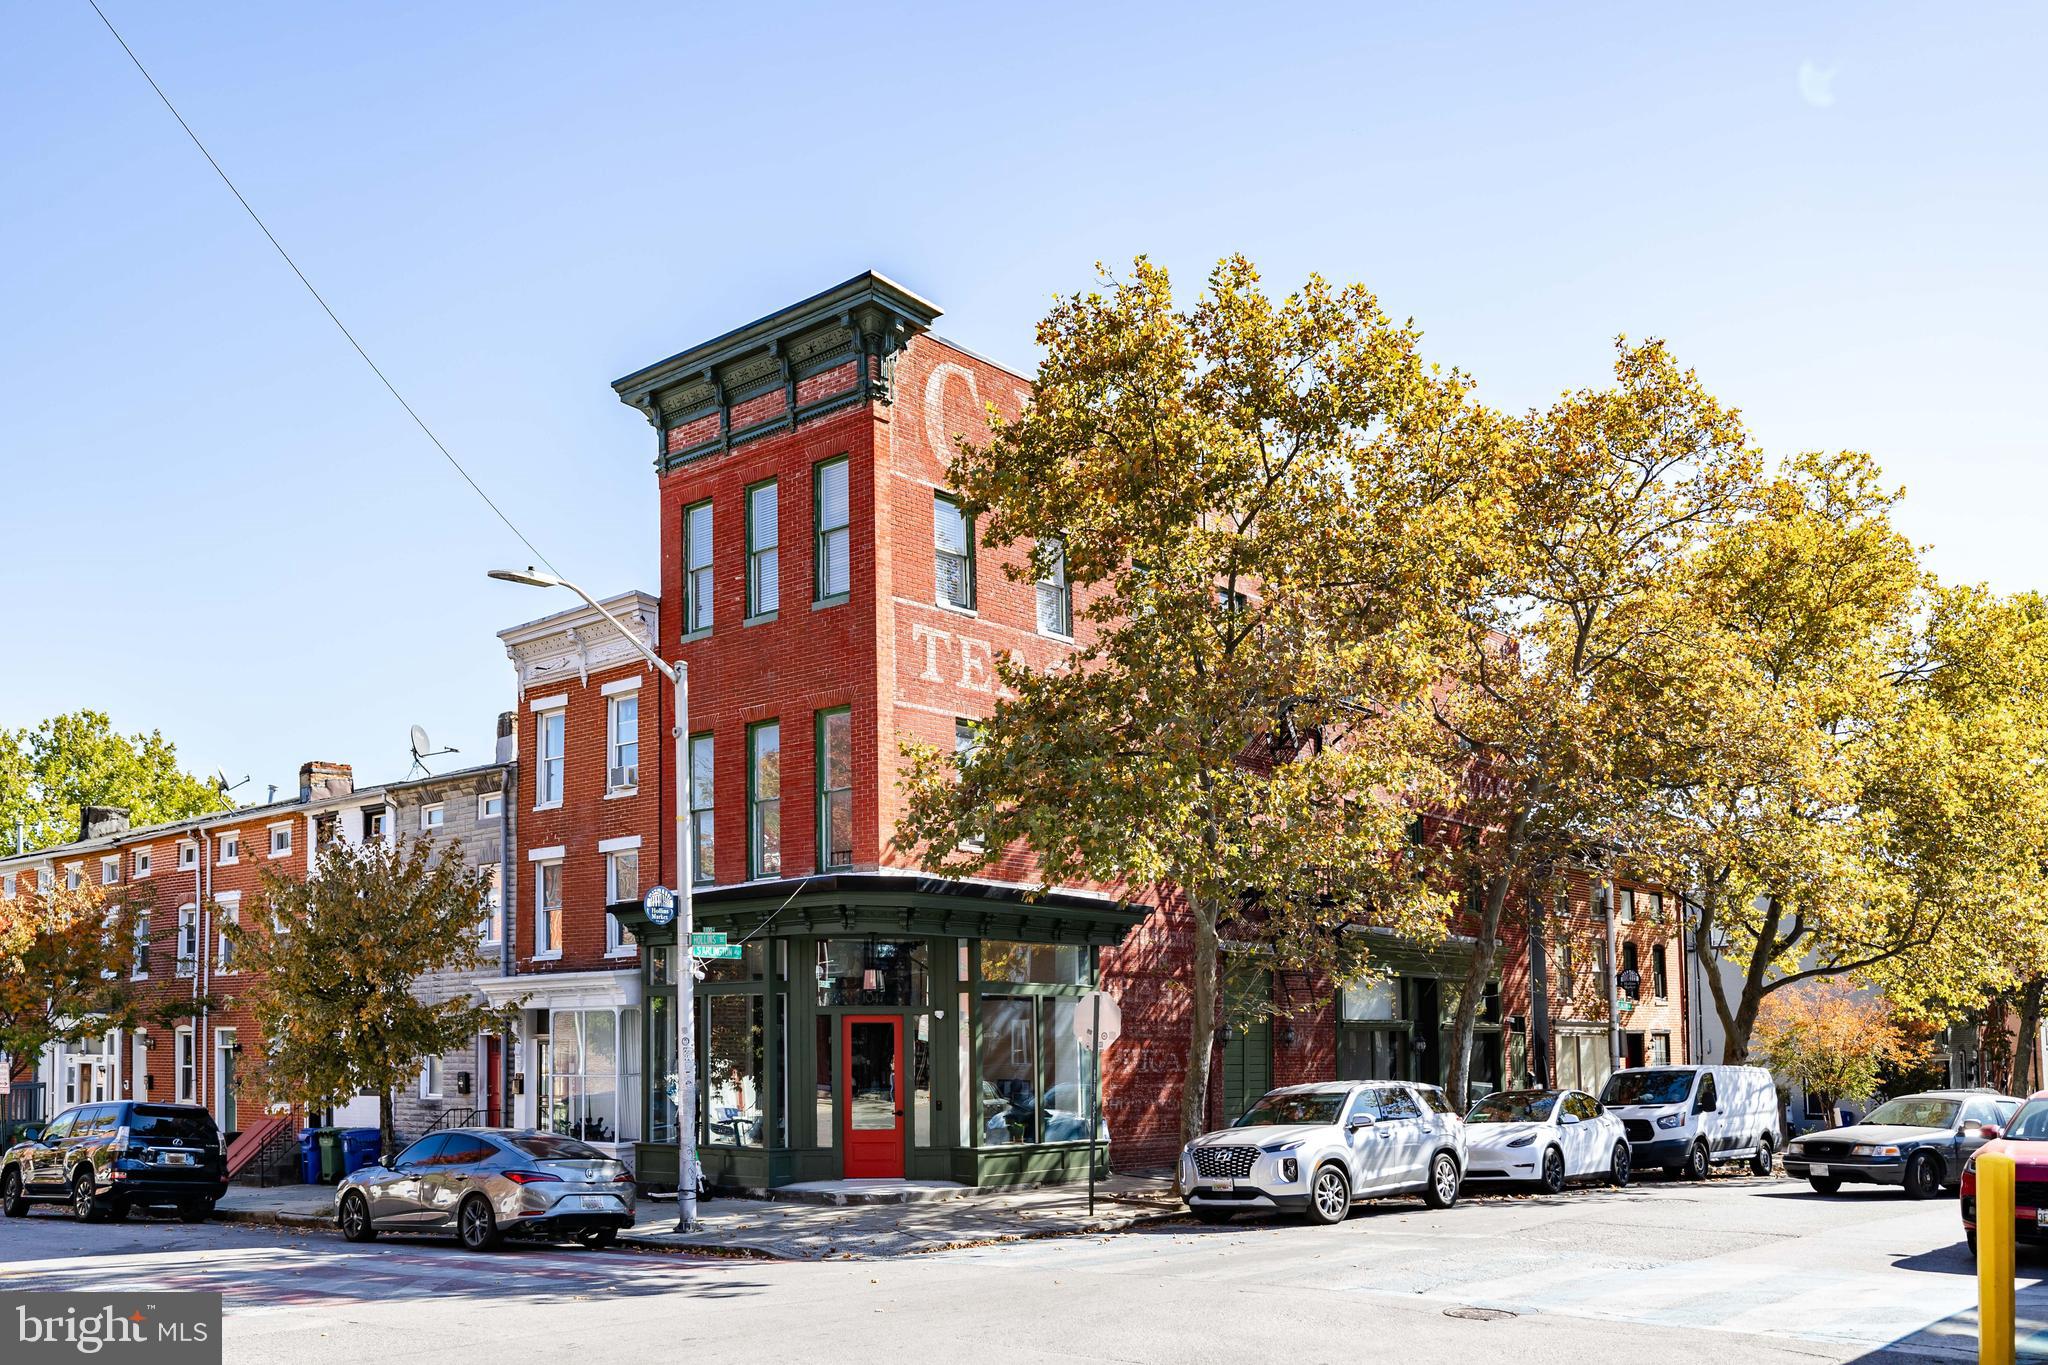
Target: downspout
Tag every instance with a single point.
(1611, 970)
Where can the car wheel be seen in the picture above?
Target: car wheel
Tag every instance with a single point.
(12, 1203)
(85, 1204)
(354, 1218)
(597, 1239)
(1211, 1216)
(1329, 1196)
(1760, 1159)
(1442, 1190)
(1552, 1179)
(1696, 1162)
(477, 1225)
(194, 1210)
(1824, 1184)
(1622, 1167)
(1923, 1181)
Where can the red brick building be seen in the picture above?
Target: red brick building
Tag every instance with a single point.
(830, 602)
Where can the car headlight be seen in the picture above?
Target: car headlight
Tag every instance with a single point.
(1294, 1146)
(1873, 1149)
(1523, 1141)
(1671, 1121)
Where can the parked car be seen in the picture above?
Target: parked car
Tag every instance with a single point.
(105, 1159)
(1314, 1149)
(1920, 1143)
(1546, 1136)
(2025, 1140)
(1686, 1118)
(486, 1184)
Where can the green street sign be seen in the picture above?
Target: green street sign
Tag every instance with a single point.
(707, 938)
(716, 950)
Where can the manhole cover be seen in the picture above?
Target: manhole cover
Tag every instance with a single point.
(1478, 1314)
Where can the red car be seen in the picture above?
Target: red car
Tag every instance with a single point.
(2025, 1140)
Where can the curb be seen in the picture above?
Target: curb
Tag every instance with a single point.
(765, 1250)
(274, 1218)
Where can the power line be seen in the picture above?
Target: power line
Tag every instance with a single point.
(258, 220)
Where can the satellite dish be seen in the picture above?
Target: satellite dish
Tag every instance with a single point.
(421, 751)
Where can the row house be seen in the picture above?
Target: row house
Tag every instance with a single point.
(831, 599)
(184, 881)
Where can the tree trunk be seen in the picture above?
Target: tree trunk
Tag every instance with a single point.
(388, 1142)
(1484, 950)
(2027, 1046)
(1194, 1097)
(1735, 1051)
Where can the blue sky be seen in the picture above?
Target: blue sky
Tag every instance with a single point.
(217, 524)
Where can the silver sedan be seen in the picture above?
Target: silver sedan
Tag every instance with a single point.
(487, 1184)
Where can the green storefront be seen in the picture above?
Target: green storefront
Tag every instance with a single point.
(880, 1026)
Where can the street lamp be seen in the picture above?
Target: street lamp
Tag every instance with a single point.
(686, 1024)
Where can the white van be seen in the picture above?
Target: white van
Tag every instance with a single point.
(1684, 1117)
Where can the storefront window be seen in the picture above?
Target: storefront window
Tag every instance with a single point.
(1045, 964)
(750, 965)
(867, 971)
(733, 1071)
(1379, 999)
(921, 1082)
(661, 1124)
(828, 1119)
(1009, 1100)
(1061, 1067)
(592, 1086)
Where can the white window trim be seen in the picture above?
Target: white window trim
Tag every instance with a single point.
(181, 1039)
(138, 966)
(611, 738)
(220, 841)
(188, 854)
(618, 685)
(540, 758)
(558, 702)
(145, 861)
(72, 870)
(110, 864)
(430, 1067)
(553, 853)
(440, 806)
(483, 805)
(228, 905)
(7, 885)
(178, 955)
(541, 954)
(614, 933)
(290, 840)
(494, 905)
(618, 845)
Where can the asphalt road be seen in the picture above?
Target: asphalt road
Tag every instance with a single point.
(1734, 1270)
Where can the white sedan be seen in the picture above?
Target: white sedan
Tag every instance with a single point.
(1545, 1136)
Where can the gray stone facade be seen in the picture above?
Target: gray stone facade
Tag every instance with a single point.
(472, 809)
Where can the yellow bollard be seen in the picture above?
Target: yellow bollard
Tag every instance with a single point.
(1996, 1339)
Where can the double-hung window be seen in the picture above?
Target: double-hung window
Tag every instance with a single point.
(430, 1079)
(228, 910)
(489, 930)
(182, 1051)
(834, 548)
(764, 799)
(702, 843)
(547, 910)
(553, 731)
(953, 552)
(621, 883)
(622, 754)
(697, 568)
(1055, 597)
(1660, 976)
(835, 789)
(188, 940)
(764, 566)
(139, 968)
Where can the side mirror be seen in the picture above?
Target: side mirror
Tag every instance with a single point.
(1568, 1117)
(1358, 1121)
(1990, 1131)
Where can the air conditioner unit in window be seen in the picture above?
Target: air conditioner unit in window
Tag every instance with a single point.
(625, 777)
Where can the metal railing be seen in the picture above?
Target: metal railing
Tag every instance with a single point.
(25, 1103)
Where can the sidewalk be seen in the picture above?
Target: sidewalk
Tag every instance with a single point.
(835, 1220)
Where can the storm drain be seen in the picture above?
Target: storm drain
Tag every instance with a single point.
(1478, 1314)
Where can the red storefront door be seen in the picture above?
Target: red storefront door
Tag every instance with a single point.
(873, 1123)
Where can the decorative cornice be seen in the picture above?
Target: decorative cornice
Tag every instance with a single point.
(863, 324)
(580, 640)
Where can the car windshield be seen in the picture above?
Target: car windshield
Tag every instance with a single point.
(1914, 1111)
(549, 1147)
(1514, 1106)
(2030, 1124)
(1319, 1107)
(1647, 1087)
(160, 1123)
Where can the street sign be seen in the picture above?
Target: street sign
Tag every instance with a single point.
(660, 905)
(1097, 1010)
(717, 950)
(706, 938)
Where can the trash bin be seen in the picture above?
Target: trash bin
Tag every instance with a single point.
(359, 1147)
(329, 1140)
(309, 1156)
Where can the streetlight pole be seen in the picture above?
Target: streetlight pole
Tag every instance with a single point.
(678, 675)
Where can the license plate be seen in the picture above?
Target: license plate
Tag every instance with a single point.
(1226, 1184)
(176, 1158)
(596, 1201)
(2041, 1218)
(1817, 1168)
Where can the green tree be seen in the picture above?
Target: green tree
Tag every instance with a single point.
(48, 772)
(1268, 509)
(1581, 644)
(334, 959)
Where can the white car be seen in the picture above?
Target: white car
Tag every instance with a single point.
(1545, 1136)
(1314, 1149)
(1689, 1118)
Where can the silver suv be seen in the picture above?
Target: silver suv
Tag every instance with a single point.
(1313, 1149)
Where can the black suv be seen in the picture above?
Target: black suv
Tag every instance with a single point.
(105, 1159)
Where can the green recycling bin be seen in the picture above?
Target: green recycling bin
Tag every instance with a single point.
(329, 1141)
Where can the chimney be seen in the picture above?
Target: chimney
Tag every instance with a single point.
(508, 736)
(318, 781)
(96, 822)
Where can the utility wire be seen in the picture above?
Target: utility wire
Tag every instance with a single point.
(257, 219)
